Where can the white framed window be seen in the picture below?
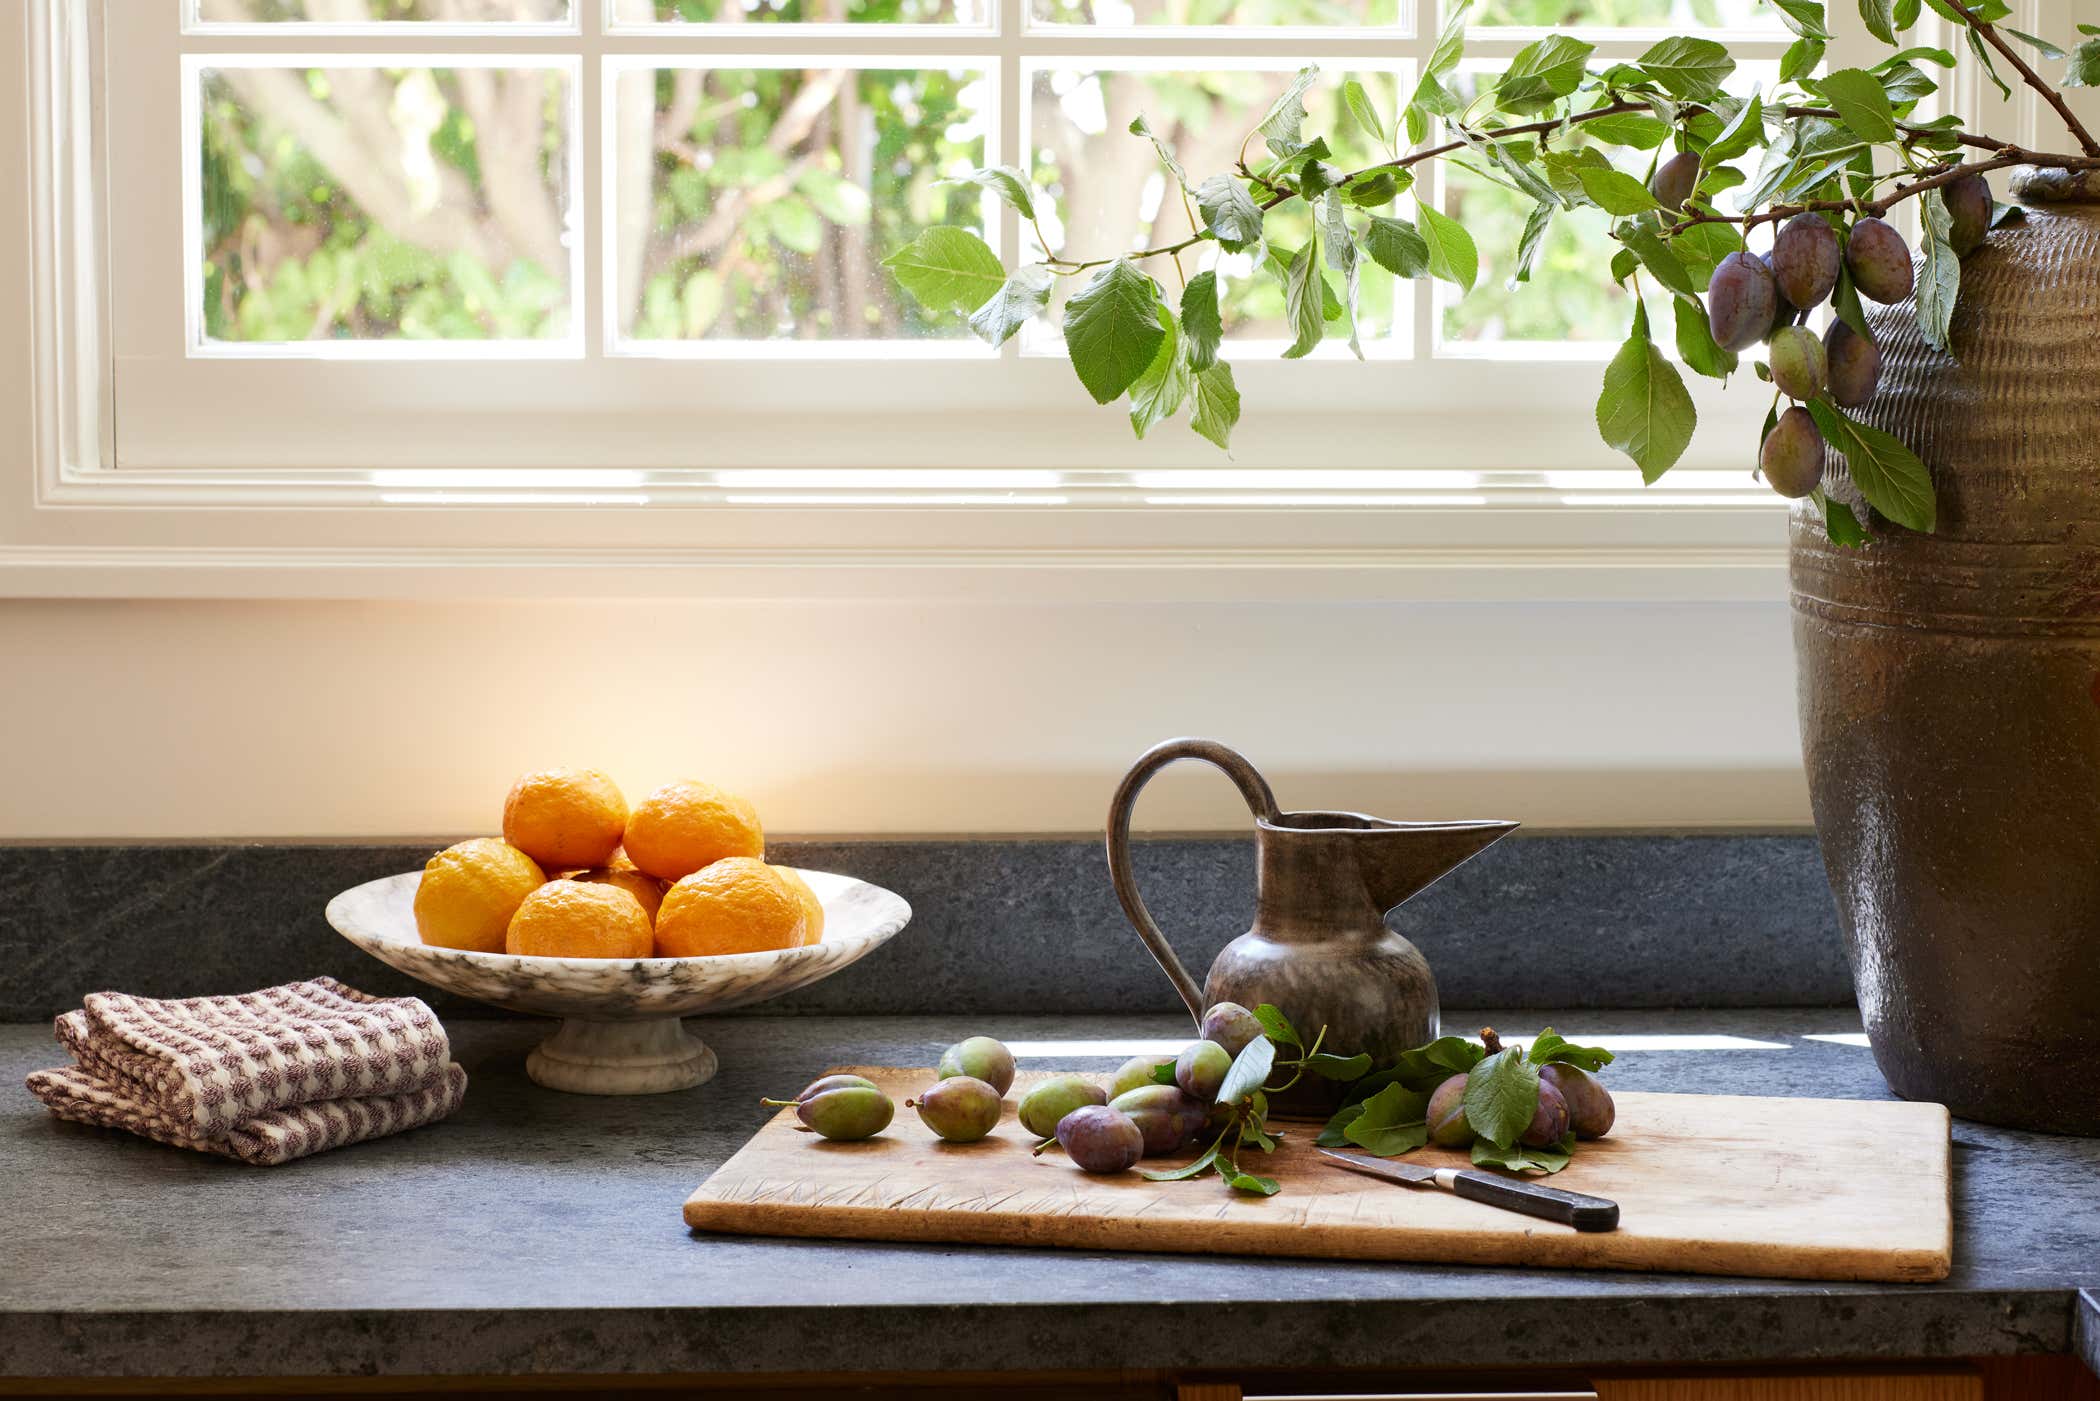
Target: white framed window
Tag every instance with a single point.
(451, 268)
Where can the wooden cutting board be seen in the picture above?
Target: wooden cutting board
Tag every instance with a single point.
(1710, 1184)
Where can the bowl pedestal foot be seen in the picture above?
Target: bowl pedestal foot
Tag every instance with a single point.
(621, 1058)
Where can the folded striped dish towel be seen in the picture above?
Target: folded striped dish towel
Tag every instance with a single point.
(264, 1077)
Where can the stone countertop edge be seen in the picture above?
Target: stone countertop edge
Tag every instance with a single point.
(538, 1233)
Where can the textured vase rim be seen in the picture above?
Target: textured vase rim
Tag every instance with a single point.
(2044, 187)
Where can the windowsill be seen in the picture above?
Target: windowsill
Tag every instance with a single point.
(1036, 534)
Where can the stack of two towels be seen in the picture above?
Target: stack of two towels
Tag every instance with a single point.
(264, 1077)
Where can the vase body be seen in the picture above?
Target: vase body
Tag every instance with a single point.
(1950, 695)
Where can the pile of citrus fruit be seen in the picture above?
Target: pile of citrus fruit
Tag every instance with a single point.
(578, 874)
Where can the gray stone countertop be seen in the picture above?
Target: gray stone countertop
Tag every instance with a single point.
(539, 1232)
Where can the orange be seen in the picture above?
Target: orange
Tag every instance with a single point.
(736, 905)
(565, 818)
(470, 891)
(682, 827)
(812, 907)
(647, 890)
(579, 919)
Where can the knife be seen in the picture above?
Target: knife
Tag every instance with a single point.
(1509, 1193)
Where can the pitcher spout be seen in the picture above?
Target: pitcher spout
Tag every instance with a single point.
(1397, 860)
(1405, 860)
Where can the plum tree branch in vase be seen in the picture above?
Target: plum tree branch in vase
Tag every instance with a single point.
(1684, 171)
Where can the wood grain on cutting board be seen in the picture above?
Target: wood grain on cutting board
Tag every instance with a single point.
(1708, 1184)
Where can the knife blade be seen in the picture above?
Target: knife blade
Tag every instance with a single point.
(1584, 1213)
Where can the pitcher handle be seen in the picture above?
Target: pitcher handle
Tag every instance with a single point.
(1253, 787)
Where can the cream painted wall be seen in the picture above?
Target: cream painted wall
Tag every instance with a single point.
(313, 719)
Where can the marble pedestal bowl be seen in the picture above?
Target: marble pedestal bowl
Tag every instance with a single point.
(620, 1031)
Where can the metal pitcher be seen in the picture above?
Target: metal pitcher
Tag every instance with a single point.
(1319, 948)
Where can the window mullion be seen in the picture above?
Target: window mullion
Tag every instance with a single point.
(594, 136)
(1428, 188)
(1009, 135)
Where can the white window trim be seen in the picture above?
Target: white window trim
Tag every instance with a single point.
(1543, 512)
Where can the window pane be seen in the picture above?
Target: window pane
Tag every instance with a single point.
(759, 203)
(376, 204)
(1239, 14)
(1109, 194)
(1642, 14)
(364, 12)
(970, 12)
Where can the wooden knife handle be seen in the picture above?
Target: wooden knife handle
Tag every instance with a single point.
(1549, 1203)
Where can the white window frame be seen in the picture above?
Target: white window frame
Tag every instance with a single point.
(1501, 490)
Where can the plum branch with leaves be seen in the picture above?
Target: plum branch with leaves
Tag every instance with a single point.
(1654, 144)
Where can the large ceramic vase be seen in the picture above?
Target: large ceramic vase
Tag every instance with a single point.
(1950, 691)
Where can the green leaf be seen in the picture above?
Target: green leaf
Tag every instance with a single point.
(2084, 68)
(1906, 84)
(1644, 410)
(1229, 212)
(1425, 1067)
(1430, 94)
(1202, 325)
(1886, 472)
(1395, 246)
(1800, 59)
(1858, 97)
(1217, 404)
(949, 269)
(1341, 256)
(1614, 191)
(1316, 178)
(1303, 306)
(1282, 127)
(1163, 1073)
(1254, 1183)
(1392, 1122)
(1926, 54)
(1276, 1026)
(1380, 187)
(1907, 15)
(1330, 1067)
(1691, 69)
(1166, 152)
(1020, 297)
(1743, 131)
(1452, 255)
(1364, 112)
(1845, 302)
(1551, 1048)
(1989, 11)
(1840, 524)
(1002, 180)
(1989, 64)
(1517, 1158)
(1332, 1135)
(1805, 17)
(1502, 1094)
(1701, 248)
(1112, 329)
(2038, 44)
(1636, 129)
(1250, 1070)
(1542, 72)
(1159, 392)
(1197, 1168)
(1695, 341)
(1879, 16)
(1662, 263)
(1534, 238)
(1939, 280)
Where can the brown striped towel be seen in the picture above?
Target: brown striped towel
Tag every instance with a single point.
(264, 1077)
